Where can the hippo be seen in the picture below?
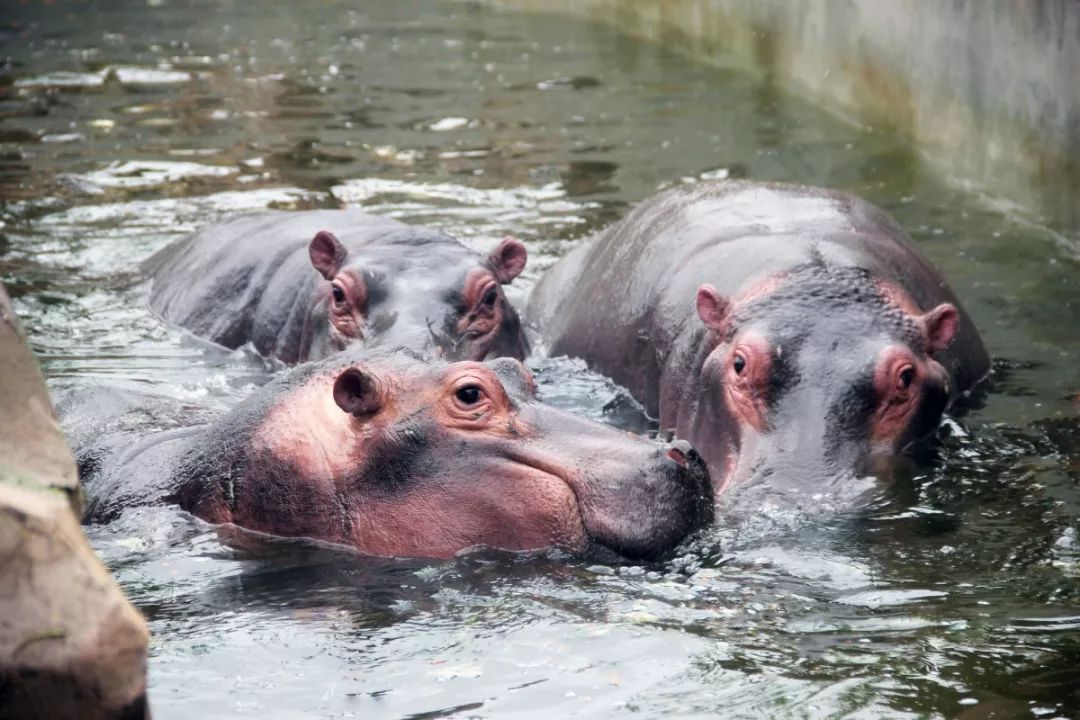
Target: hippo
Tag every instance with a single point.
(302, 285)
(396, 454)
(792, 335)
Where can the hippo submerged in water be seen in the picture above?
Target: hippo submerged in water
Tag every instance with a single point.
(303, 285)
(400, 456)
(791, 334)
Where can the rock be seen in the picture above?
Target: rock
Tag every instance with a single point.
(71, 645)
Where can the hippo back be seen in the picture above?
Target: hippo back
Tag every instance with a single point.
(126, 444)
(250, 278)
(622, 300)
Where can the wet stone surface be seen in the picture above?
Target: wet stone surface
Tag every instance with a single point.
(954, 593)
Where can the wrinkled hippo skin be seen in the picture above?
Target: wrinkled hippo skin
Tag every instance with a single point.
(397, 455)
(302, 285)
(791, 334)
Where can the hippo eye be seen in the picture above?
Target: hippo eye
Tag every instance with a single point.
(469, 395)
(906, 377)
(739, 363)
(490, 297)
(339, 294)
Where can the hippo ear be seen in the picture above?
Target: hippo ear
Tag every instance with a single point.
(713, 308)
(940, 326)
(508, 259)
(327, 253)
(357, 393)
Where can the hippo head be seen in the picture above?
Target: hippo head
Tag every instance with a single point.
(815, 377)
(434, 297)
(401, 456)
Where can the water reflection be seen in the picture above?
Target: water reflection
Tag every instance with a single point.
(953, 594)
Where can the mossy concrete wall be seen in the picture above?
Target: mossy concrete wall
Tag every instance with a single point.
(988, 89)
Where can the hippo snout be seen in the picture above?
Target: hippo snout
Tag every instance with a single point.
(646, 508)
(696, 475)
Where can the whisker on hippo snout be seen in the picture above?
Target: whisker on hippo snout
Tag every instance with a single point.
(443, 341)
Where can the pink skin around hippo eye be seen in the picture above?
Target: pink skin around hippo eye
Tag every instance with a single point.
(746, 379)
(347, 299)
(897, 381)
(481, 296)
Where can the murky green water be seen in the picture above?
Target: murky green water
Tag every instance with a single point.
(122, 127)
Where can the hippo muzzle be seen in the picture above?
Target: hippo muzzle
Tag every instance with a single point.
(642, 520)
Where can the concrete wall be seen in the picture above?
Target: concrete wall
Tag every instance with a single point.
(989, 89)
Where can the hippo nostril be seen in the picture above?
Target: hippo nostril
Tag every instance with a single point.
(678, 456)
(679, 451)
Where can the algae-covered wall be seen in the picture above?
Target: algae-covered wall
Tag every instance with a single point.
(989, 89)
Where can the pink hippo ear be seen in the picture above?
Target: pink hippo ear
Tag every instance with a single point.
(357, 393)
(713, 308)
(508, 259)
(327, 253)
(940, 326)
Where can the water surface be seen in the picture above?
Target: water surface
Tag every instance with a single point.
(954, 594)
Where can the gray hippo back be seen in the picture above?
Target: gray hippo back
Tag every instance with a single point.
(302, 285)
